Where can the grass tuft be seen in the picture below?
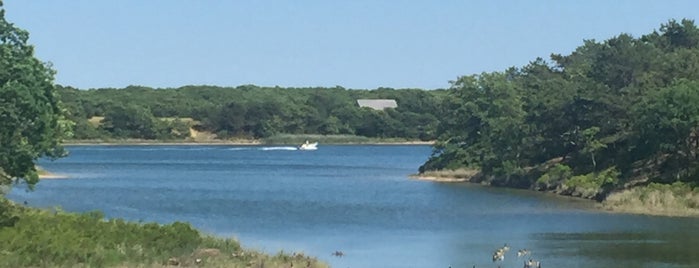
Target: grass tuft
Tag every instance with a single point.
(677, 199)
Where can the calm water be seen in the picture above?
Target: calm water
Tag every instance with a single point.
(356, 199)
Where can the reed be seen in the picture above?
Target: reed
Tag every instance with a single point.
(451, 173)
(677, 199)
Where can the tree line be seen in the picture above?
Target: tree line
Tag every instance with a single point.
(615, 113)
(249, 111)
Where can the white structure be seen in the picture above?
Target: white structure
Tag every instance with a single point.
(377, 104)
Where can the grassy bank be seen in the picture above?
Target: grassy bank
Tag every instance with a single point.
(677, 199)
(42, 238)
(457, 175)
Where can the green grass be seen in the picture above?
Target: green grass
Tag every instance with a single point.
(43, 238)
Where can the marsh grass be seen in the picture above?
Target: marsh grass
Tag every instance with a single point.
(448, 175)
(677, 199)
(45, 238)
(452, 173)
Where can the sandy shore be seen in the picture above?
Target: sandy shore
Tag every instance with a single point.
(52, 176)
(438, 179)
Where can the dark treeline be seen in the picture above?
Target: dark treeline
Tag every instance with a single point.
(611, 114)
(249, 112)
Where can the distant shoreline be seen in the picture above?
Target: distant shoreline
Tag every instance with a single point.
(157, 142)
(236, 143)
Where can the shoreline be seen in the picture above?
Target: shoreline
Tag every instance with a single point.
(439, 179)
(611, 204)
(235, 143)
(51, 176)
(155, 142)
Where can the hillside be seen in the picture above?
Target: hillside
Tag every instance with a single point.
(609, 117)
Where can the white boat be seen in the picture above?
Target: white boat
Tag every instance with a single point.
(309, 146)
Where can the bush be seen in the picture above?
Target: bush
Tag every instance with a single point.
(591, 185)
(554, 177)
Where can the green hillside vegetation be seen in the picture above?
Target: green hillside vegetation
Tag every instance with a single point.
(248, 112)
(616, 120)
(42, 238)
(609, 116)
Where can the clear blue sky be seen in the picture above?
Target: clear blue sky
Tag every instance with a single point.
(355, 44)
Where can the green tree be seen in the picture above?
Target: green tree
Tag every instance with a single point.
(32, 121)
(131, 122)
(483, 126)
(591, 144)
(625, 109)
(668, 124)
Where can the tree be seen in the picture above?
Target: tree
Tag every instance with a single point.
(131, 122)
(32, 122)
(591, 144)
(668, 123)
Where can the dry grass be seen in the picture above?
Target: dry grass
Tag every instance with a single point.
(655, 199)
(201, 135)
(450, 175)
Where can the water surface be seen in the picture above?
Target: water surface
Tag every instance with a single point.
(357, 199)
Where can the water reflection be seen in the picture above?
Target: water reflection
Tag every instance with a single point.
(666, 248)
(358, 200)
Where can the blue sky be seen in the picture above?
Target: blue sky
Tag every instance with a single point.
(361, 44)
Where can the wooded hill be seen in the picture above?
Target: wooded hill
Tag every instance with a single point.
(611, 114)
(249, 112)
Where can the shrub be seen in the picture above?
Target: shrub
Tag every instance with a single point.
(592, 184)
(554, 177)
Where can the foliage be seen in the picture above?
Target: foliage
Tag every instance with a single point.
(554, 177)
(674, 114)
(323, 139)
(38, 238)
(252, 112)
(602, 110)
(591, 184)
(32, 121)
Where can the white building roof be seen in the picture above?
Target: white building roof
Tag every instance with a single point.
(377, 104)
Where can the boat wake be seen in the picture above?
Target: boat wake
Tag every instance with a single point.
(269, 148)
(240, 149)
